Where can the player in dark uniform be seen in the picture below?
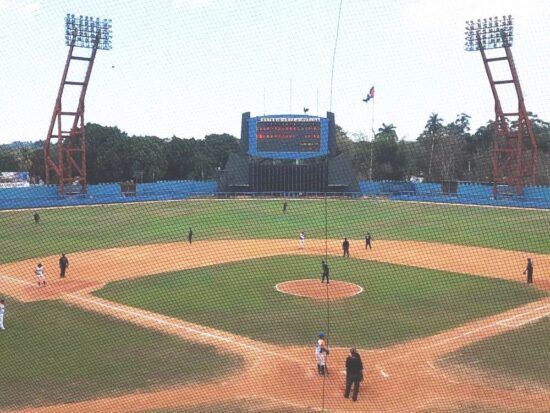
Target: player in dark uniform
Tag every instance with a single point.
(354, 374)
(190, 236)
(368, 241)
(345, 247)
(285, 206)
(36, 218)
(63, 265)
(529, 271)
(325, 273)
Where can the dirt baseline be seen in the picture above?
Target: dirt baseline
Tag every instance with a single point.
(397, 379)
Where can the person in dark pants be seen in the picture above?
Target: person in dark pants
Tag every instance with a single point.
(326, 271)
(368, 240)
(354, 374)
(36, 218)
(345, 247)
(63, 265)
(285, 206)
(190, 236)
(529, 271)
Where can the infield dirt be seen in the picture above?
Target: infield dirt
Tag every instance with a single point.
(402, 378)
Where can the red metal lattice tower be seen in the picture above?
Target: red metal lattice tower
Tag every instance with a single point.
(66, 158)
(514, 143)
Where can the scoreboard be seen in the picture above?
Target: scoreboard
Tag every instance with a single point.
(288, 136)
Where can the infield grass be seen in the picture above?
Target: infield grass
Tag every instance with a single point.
(399, 303)
(523, 354)
(53, 353)
(98, 227)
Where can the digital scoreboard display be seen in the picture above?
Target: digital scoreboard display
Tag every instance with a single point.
(290, 136)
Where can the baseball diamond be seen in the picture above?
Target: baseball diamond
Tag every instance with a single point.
(414, 304)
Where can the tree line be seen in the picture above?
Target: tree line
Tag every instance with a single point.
(442, 152)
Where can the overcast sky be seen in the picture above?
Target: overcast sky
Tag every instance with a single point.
(191, 67)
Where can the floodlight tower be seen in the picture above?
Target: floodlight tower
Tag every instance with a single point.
(513, 166)
(67, 157)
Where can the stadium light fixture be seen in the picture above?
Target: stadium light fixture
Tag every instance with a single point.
(490, 33)
(83, 31)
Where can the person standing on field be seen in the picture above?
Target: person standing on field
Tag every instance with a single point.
(354, 374)
(345, 247)
(368, 241)
(302, 239)
(285, 206)
(63, 265)
(2, 310)
(36, 218)
(190, 236)
(529, 271)
(40, 276)
(325, 273)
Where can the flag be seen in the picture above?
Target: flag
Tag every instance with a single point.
(370, 95)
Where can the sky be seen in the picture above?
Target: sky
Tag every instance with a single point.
(190, 68)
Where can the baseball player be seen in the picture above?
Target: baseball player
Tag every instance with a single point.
(368, 241)
(2, 310)
(345, 247)
(529, 271)
(40, 276)
(325, 273)
(190, 236)
(321, 352)
(302, 239)
(36, 218)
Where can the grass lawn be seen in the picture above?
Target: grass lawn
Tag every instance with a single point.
(76, 229)
(523, 353)
(399, 303)
(53, 353)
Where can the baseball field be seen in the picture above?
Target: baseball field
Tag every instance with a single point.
(147, 322)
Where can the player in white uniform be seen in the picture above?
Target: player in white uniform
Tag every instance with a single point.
(40, 276)
(321, 351)
(302, 240)
(2, 309)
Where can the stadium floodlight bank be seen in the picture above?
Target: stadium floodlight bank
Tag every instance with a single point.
(84, 31)
(491, 33)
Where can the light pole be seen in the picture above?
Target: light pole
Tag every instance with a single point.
(69, 161)
(512, 130)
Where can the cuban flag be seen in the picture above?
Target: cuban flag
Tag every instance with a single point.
(370, 95)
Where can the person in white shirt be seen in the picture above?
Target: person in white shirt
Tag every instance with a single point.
(40, 276)
(302, 240)
(2, 310)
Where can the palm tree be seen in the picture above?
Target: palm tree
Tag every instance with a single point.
(388, 130)
(433, 126)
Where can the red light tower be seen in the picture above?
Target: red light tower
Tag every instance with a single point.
(67, 157)
(514, 143)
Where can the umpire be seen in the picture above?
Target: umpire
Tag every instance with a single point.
(63, 265)
(345, 247)
(354, 373)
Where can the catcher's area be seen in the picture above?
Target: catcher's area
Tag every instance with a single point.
(402, 378)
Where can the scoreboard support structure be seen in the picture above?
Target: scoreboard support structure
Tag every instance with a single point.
(288, 154)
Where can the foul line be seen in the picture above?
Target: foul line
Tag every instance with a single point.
(143, 315)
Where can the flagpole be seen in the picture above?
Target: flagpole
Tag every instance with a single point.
(371, 141)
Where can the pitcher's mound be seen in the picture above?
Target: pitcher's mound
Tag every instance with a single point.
(315, 289)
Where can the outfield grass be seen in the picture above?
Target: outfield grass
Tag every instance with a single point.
(399, 303)
(523, 353)
(53, 353)
(75, 229)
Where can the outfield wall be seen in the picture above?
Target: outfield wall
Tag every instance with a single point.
(467, 193)
(47, 195)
